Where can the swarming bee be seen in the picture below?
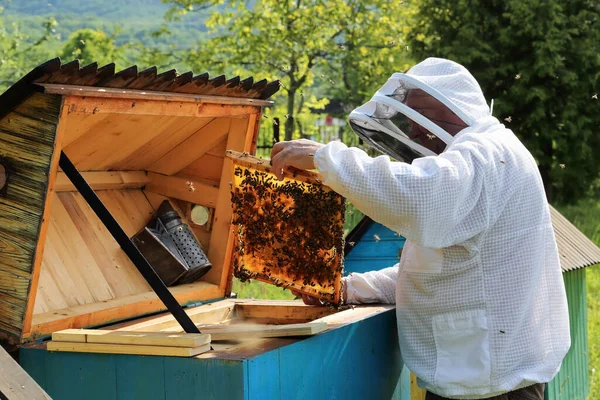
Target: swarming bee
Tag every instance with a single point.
(288, 233)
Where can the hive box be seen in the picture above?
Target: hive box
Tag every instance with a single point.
(138, 139)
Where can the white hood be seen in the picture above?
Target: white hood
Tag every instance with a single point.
(450, 83)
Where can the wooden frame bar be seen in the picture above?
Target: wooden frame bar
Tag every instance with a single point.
(104, 180)
(90, 105)
(89, 91)
(194, 191)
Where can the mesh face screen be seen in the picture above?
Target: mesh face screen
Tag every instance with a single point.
(288, 233)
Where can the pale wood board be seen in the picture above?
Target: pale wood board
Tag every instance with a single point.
(82, 262)
(15, 383)
(177, 108)
(221, 243)
(117, 309)
(192, 148)
(251, 331)
(127, 349)
(89, 91)
(207, 314)
(104, 180)
(133, 338)
(204, 193)
(180, 130)
(206, 167)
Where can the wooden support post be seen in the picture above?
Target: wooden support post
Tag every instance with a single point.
(15, 383)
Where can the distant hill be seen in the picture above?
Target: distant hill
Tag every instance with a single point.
(134, 19)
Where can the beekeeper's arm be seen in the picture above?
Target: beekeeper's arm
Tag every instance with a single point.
(372, 287)
(436, 201)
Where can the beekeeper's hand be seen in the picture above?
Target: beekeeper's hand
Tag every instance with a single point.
(312, 301)
(295, 153)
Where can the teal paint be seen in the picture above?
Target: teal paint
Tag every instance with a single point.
(140, 378)
(357, 361)
(378, 248)
(206, 379)
(572, 381)
(69, 375)
(35, 365)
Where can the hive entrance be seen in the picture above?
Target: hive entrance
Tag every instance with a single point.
(288, 233)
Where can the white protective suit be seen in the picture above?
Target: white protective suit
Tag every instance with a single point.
(480, 301)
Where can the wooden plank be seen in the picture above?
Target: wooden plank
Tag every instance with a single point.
(199, 192)
(207, 167)
(122, 276)
(104, 180)
(128, 349)
(15, 383)
(281, 310)
(86, 91)
(159, 107)
(103, 147)
(206, 314)
(247, 331)
(78, 124)
(416, 393)
(118, 309)
(192, 148)
(221, 243)
(260, 164)
(181, 129)
(133, 338)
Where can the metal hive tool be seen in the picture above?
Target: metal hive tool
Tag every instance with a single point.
(288, 233)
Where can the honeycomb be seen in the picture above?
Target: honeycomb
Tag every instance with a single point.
(288, 233)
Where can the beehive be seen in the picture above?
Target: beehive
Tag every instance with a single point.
(138, 139)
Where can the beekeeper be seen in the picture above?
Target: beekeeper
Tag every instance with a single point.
(480, 301)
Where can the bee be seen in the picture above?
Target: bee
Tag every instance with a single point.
(377, 238)
(517, 76)
(595, 97)
(508, 119)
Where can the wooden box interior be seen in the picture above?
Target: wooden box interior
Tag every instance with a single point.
(135, 152)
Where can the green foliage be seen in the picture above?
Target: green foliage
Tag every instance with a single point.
(20, 52)
(352, 41)
(89, 45)
(539, 60)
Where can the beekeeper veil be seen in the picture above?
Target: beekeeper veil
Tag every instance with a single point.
(416, 114)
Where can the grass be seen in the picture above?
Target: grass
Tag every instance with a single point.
(586, 216)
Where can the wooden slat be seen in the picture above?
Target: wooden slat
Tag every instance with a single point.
(104, 180)
(91, 105)
(127, 349)
(281, 310)
(118, 309)
(115, 140)
(78, 124)
(194, 191)
(207, 167)
(88, 91)
(192, 148)
(134, 338)
(180, 130)
(248, 331)
(207, 314)
(15, 383)
(239, 139)
(260, 164)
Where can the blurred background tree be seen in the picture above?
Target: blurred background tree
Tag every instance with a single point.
(540, 62)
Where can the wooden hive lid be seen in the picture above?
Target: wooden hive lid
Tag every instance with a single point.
(138, 138)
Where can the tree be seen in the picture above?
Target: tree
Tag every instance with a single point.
(292, 39)
(90, 45)
(540, 61)
(20, 53)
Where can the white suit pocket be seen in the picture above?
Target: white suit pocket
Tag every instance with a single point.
(462, 344)
(421, 259)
